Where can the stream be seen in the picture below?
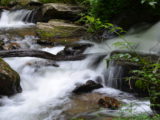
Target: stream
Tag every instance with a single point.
(47, 89)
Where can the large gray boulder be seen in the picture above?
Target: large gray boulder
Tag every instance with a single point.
(58, 11)
(9, 80)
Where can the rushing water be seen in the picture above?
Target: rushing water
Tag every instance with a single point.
(46, 89)
(17, 18)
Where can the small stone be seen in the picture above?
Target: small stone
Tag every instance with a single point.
(87, 87)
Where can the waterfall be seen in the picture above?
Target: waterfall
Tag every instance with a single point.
(17, 18)
(46, 89)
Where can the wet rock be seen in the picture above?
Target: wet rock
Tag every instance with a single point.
(11, 46)
(58, 32)
(87, 103)
(13, 34)
(9, 79)
(35, 3)
(1, 44)
(75, 49)
(59, 11)
(108, 102)
(87, 87)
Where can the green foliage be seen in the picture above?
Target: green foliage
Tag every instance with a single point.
(108, 9)
(5, 2)
(105, 9)
(140, 117)
(124, 44)
(95, 24)
(146, 76)
(125, 56)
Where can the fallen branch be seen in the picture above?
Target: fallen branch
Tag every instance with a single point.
(39, 54)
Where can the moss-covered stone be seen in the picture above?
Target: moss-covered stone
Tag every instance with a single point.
(9, 79)
(59, 32)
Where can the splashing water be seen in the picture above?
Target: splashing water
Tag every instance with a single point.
(15, 19)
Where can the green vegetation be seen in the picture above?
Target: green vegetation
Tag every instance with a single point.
(140, 117)
(4, 2)
(146, 75)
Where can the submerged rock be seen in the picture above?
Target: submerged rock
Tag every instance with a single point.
(9, 80)
(58, 32)
(87, 87)
(87, 103)
(108, 102)
(74, 49)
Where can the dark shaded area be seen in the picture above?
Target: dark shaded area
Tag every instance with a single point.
(87, 87)
(75, 49)
(126, 13)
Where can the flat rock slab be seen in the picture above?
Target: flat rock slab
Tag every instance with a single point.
(59, 32)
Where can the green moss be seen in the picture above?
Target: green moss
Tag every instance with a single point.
(57, 32)
(6, 70)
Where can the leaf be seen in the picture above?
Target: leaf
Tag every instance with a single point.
(143, 1)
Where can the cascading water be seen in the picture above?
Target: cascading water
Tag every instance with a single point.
(17, 18)
(47, 89)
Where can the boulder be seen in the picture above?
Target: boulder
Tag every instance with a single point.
(9, 80)
(59, 11)
(74, 49)
(87, 87)
(58, 32)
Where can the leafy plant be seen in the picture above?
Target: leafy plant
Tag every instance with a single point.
(94, 24)
(140, 117)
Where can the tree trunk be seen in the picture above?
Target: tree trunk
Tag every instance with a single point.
(39, 54)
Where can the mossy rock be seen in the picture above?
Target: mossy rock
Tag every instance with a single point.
(56, 31)
(9, 80)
